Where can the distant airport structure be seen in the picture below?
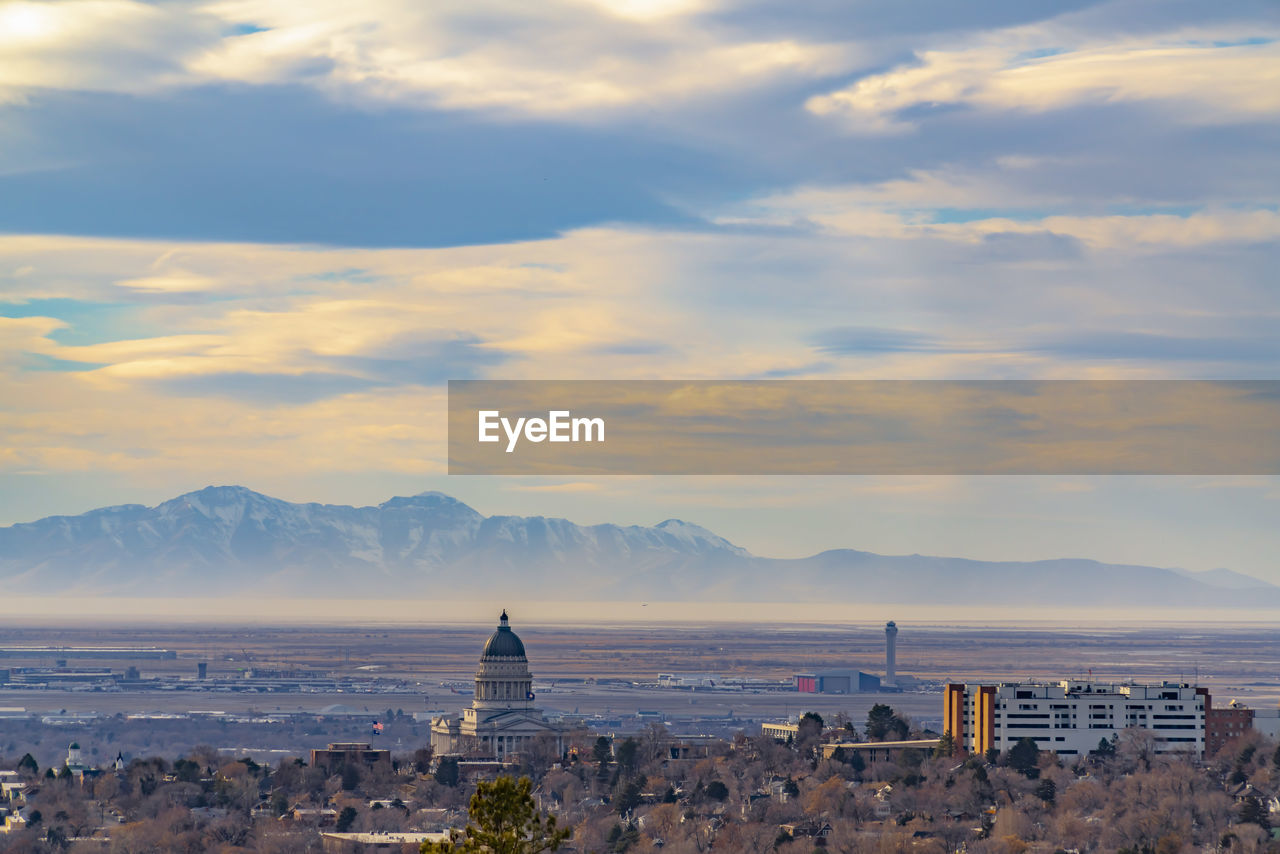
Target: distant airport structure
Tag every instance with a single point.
(67, 652)
(890, 654)
(837, 682)
(847, 681)
(1072, 717)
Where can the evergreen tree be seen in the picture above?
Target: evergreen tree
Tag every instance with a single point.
(878, 721)
(1253, 812)
(627, 797)
(602, 753)
(1024, 756)
(811, 726)
(503, 819)
(447, 771)
(627, 753)
(884, 723)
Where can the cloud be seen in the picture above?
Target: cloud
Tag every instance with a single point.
(1163, 230)
(966, 299)
(26, 336)
(174, 282)
(635, 348)
(264, 389)
(413, 358)
(95, 45)
(558, 59)
(1026, 70)
(303, 169)
(404, 124)
(1122, 345)
(985, 204)
(845, 340)
(573, 486)
(1247, 346)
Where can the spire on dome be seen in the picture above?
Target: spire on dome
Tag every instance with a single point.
(503, 642)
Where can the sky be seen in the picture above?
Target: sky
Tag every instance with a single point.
(249, 242)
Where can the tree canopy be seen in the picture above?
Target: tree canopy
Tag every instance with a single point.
(1023, 757)
(884, 723)
(447, 771)
(1106, 748)
(504, 819)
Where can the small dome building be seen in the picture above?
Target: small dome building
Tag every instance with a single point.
(502, 719)
(75, 760)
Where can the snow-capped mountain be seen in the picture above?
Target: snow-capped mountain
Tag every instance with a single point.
(229, 540)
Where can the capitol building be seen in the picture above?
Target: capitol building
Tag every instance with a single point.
(502, 718)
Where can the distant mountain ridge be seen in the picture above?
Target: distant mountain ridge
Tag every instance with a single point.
(230, 540)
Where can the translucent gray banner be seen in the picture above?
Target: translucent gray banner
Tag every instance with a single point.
(588, 427)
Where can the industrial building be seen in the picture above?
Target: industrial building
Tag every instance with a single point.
(1072, 717)
(837, 682)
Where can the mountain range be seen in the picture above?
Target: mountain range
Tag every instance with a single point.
(229, 540)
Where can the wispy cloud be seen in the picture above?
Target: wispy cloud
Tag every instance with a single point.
(263, 389)
(1195, 80)
(572, 486)
(561, 59)
(863, 339)
(95, 45)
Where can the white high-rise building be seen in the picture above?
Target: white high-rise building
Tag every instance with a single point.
(1071, 717)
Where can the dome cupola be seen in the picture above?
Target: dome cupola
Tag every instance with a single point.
(503, 643)
(503, 681)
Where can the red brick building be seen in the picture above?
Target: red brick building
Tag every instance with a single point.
(1224, 724)
(357, 753)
